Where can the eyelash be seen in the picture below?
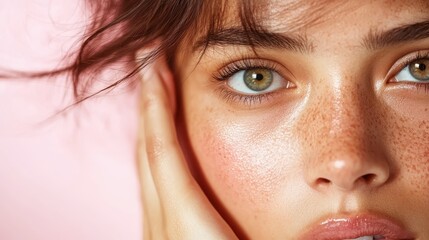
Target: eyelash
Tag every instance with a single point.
(245, 64)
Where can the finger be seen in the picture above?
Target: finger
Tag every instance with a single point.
(163, 151)
(152, 215)
(150, 200)
(180, 195)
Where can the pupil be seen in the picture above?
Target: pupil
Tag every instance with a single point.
(257, 76)
(421, 66)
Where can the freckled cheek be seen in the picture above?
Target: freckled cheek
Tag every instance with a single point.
(408, 131)
(413, 155)
(242, 163)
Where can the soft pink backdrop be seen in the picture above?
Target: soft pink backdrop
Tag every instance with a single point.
(72, 176)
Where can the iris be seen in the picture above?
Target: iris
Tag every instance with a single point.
(258, 79)
(420, 69)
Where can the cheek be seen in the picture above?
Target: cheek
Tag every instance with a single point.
(246, 162)
(408, 132)
(411, 148)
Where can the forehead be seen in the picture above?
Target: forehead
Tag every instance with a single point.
(296, 15)
(315, 20)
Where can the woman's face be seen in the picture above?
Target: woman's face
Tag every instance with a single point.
(325, 124)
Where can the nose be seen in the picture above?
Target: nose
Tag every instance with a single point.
(346, 150)
(347, 172)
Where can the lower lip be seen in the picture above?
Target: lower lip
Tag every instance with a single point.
(358, 226)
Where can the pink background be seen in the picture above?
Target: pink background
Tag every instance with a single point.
(72, 176)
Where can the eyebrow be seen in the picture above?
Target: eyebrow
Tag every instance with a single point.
(255, 38)
(410, 32)
(299, 43)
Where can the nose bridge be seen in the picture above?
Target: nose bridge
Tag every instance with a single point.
(345, 152)
(348, 111)
(344, 115)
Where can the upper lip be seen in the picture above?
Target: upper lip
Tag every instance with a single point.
(359, 225)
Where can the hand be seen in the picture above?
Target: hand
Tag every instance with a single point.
(174, 205)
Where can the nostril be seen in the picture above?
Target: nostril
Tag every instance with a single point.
(369, 178)
(347, 183)
(322, 181)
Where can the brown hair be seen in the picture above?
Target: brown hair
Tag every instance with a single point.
(120, 28)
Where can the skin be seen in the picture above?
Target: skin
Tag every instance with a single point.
(344, 139)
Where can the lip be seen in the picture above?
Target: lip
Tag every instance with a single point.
(350, 227)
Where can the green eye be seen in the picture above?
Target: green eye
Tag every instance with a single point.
(258, 79)
(419, 69)
(254, 77)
